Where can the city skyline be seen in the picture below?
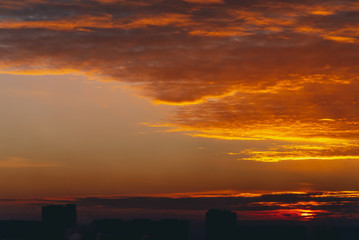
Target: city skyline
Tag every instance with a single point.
(180, 99)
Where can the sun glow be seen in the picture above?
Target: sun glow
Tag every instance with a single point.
(307, 214)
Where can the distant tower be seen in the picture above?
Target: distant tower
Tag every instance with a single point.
(220, 225)
(64, 215)
(56, 219)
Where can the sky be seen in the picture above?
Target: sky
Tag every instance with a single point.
(122, 97)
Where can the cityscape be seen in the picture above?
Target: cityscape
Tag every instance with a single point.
(179, 120)
(59, 222)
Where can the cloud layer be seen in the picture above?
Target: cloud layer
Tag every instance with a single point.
(243, 70)
(326, 206)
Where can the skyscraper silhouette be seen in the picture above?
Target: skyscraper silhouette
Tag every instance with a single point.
(220, 225)
(59, 214)
(56, 219)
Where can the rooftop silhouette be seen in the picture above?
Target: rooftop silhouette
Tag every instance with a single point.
(220, 225)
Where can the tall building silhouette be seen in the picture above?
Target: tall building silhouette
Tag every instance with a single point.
(220, 225)
(56, 219)
(59, 214)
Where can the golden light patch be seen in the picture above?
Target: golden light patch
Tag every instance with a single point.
(198, 101)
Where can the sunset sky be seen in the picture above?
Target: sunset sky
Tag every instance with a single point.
(151, 97)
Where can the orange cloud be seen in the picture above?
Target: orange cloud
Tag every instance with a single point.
(162, 20)
(79, 24)
(258, 71)
(302, 152)
(85, 23)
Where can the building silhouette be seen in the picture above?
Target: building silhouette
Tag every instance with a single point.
(59, 214)
(56, 219)
(220, 225)
(59, 223)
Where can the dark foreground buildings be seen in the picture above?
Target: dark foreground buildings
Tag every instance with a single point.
(56, 219)
(59, 223)
(221, 225)
(64, 215)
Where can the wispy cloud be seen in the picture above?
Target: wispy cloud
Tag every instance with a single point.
(16, 162)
